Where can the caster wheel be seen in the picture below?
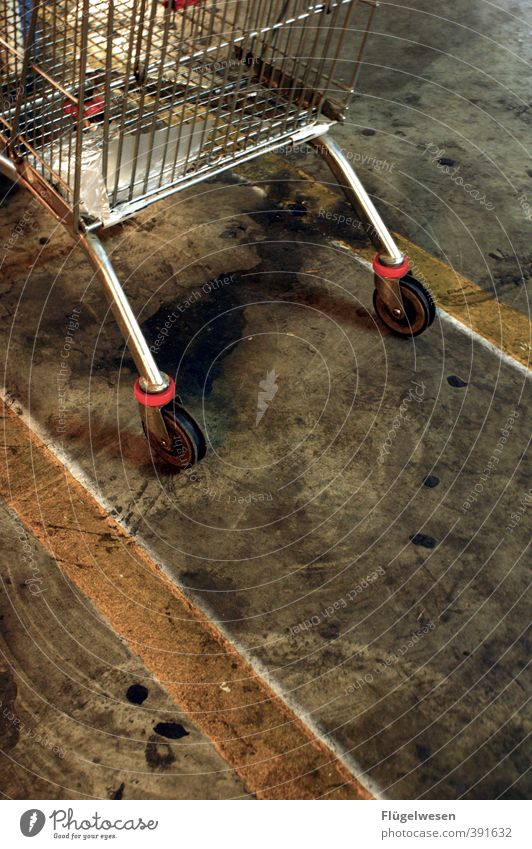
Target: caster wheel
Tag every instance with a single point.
(419, 309)
(187, 445)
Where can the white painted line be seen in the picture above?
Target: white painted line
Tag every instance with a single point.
(350, 763)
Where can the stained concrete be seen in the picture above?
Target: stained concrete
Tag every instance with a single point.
(454, 76)
(383, 598)
(274, 752)
(80, 716)
(387, 612)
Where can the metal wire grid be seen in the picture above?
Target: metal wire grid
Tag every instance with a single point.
(173, 93)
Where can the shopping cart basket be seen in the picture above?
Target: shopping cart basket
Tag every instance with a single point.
(109, 105)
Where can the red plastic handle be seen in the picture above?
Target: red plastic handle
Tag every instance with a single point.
(181, 4)
(94, 106)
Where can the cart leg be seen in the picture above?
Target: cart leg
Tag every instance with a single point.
(404, 305)
(7, 169)
(172, 432)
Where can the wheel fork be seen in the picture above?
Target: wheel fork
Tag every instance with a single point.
(389, 264)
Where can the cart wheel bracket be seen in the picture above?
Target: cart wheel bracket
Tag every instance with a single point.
(154, 399)
(388, 284)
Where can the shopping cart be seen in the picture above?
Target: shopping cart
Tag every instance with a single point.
(110, 105)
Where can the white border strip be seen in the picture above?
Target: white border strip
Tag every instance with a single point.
(350, 763)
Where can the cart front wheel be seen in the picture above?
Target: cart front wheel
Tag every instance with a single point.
(187, 443)
(419, 309)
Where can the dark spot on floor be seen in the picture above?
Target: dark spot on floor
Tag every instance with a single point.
(329, 630)
(172, 730)
(298, 208)
(158, 754)
(424, 540)
(136, 694)
(119, 793)
(233, 231)
(422, 752)
(431, 481)
(368, 132)
(289, 217)
(456, 382)
(185, 348)
(446, 160)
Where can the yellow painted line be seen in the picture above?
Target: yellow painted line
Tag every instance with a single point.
(509, 330)
(261, 738)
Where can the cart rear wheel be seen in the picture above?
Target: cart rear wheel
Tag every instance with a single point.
(419, 309)
(187, 446)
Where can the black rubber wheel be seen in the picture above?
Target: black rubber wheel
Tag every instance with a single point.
(419, 309)
(187, 446)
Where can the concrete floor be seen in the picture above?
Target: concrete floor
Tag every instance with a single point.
(386, 611)
(287, 518)
(80, 716)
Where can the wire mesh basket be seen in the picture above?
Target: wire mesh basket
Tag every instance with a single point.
(116, 102)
